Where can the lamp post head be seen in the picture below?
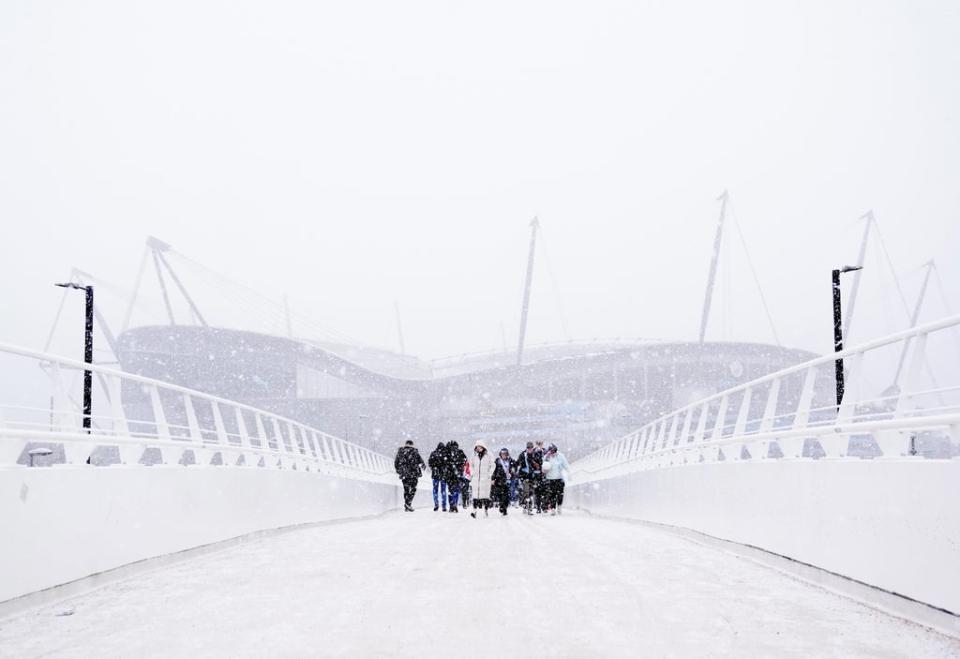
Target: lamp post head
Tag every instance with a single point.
(79, 287)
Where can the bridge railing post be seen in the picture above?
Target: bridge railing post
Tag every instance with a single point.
(248, 453)
(634, 445)
(712, 453)
(906, 398)
(297, 450)
(661, 432)
(701, 430)
(836, 445)
(168, 454)
(264, 454)
(670, 438)
(310, 440)
(340, 451)
(328, 454)
(760, 448)
(277, 446)
(770, 408)
(115, 393)
(202, 455)
(896, 443)
(223, 439)
(683, 439)
(740, 426)
(792, 447)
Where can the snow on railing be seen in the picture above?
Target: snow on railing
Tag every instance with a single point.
(137, 420)
(779, 415)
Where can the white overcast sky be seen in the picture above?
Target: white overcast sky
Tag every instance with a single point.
(356, 153)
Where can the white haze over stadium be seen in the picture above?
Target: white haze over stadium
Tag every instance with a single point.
(356, 154)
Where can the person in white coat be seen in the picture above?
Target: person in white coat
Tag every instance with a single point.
(555, 468)
(482, 464)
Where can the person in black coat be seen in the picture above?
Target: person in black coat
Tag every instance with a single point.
(529, 465)
(456, 458)
(409, 466)
(504, 471)
(438, 467)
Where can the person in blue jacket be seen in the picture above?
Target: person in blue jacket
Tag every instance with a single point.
(438, 465)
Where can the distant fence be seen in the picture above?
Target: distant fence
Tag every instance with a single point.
(162, 469)
(867, 490)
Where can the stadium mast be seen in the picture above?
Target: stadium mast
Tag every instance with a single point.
(534, 225)
(713, 265)
(396, 308)
(156, 248)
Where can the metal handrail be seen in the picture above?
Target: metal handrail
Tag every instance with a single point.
(676, 432)
(942, 422)
(294, 444)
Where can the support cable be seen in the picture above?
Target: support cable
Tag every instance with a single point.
(756, 278)
(163, 286)
(556, 286)
(56, 320)
(260, 306)
(183, 290)
(896, 280)
(136, 290)
(903, 300)
(263, 307)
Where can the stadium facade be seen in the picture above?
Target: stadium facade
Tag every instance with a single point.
(579, 395)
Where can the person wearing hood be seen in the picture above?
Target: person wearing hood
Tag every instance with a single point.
(453, 472)
(409, 466)
(438, 465)
(503, 472)
(555, 468)
(481, 477)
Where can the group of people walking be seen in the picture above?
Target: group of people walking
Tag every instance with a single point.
(534, 480)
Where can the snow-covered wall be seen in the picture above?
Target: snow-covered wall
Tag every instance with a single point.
(64, 523)
(894, 524)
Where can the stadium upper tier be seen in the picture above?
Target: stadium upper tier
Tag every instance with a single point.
(254, 364)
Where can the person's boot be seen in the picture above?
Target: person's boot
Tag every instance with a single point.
(473, 514)
(453, 509)
(486, 512)
(436, 508)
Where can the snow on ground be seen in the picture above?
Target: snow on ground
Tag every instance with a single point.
(428, 584)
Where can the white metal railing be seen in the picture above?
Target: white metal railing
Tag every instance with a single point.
(792, 413)
(135, 417)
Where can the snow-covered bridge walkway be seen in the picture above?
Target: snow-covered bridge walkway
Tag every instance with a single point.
(438, 585)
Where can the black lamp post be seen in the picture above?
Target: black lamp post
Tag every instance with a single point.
(87, 352)
(837, 329)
